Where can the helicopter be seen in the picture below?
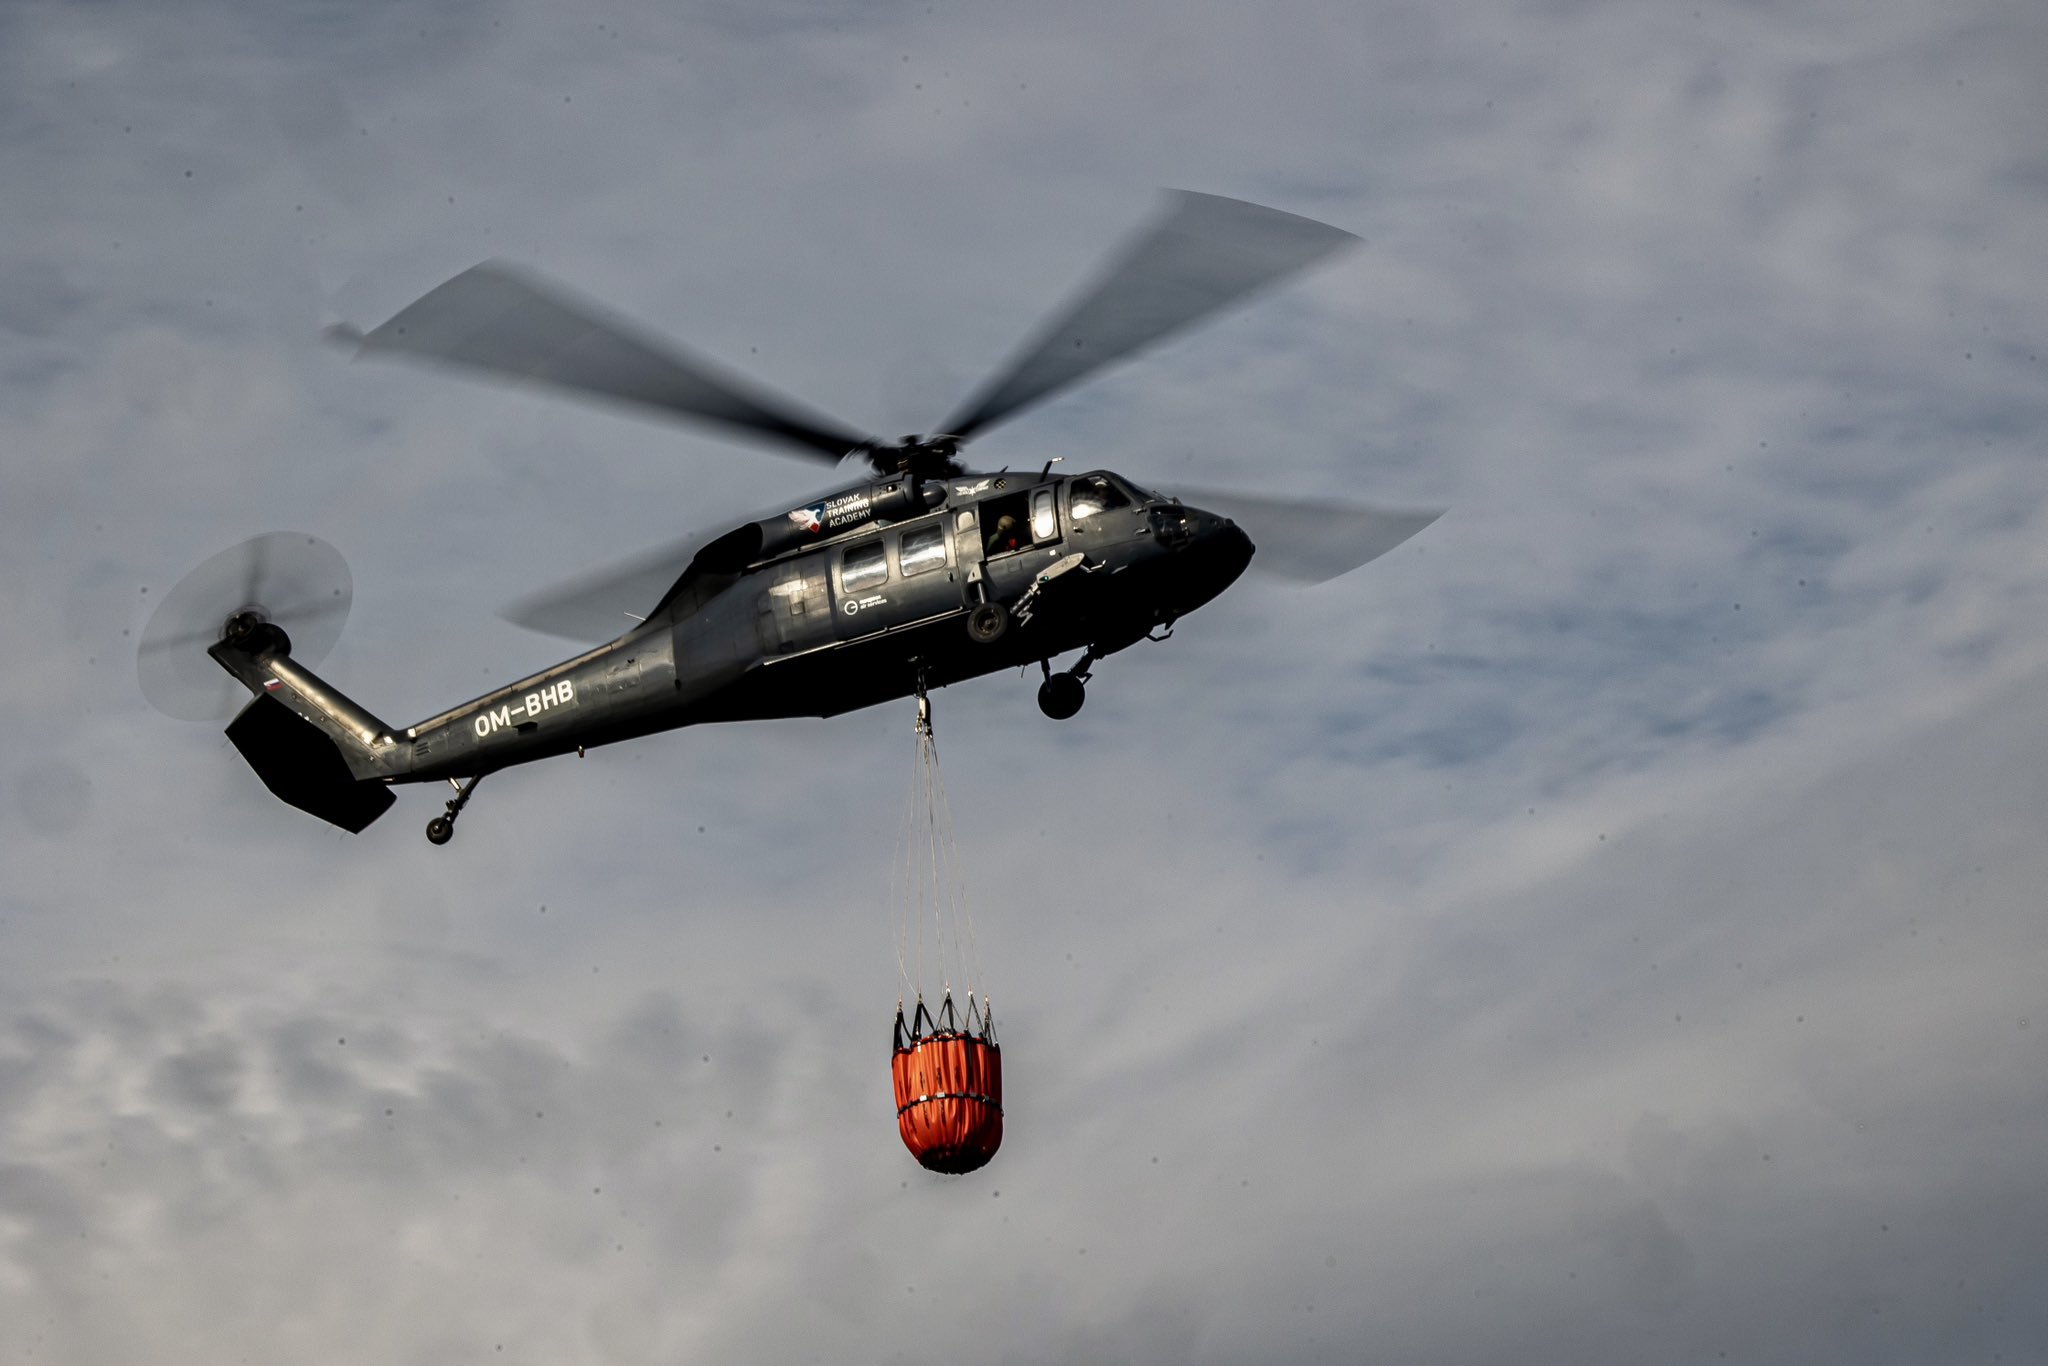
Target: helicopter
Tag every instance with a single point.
(919, 574)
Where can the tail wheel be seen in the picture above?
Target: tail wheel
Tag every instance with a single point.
(987, 623)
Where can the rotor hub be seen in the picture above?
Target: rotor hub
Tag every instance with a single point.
(242, 622)
(251, 631)
(919, 457)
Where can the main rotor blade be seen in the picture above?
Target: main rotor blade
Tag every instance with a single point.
(599, 605)
(1311, 542)
(1204, 254)
(500, 320)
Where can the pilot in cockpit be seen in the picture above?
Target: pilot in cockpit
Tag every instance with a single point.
(1092, 494)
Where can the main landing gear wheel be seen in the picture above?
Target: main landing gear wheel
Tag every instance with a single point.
(1061, 695)
(987, 622)
(440, 830)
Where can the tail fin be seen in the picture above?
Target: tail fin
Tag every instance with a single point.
(305, 767)
(312, 747)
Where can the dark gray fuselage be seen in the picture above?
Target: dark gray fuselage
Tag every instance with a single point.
(847, 617)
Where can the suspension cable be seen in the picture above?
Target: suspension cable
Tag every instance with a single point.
(931, 885)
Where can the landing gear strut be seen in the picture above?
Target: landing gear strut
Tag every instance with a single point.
(441, 829)
(1062, 694)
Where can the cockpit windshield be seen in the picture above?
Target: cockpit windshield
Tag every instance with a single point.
(1092, 494)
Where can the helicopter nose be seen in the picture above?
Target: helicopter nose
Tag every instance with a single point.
(1228, 550)
(1232, 546)
(1216, 552)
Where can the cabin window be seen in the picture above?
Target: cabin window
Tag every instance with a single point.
(922, 549)
(1045, 523)
(864, 567)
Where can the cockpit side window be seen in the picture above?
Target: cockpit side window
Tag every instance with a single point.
(1092, 494)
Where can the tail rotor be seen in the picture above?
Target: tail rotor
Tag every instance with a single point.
(283, 581)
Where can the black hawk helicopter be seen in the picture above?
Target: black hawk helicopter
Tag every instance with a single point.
(921, 574)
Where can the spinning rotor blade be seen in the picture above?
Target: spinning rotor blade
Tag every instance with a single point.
(599, 605)
(1206, 253)
(1311, 542)
(496, 319)
(297, 581)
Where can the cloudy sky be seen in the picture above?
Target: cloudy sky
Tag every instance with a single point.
(1606, 930)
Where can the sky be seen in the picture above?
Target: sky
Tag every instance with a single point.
(1606, 929)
